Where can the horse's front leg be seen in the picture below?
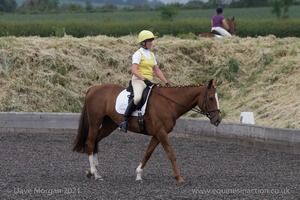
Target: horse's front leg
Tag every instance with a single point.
(152, 145)
(163, 138)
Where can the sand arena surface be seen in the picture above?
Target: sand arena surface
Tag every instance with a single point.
(40, 166)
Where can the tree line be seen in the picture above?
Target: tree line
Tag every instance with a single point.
(279, 7)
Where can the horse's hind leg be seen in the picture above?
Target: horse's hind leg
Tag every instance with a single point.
(92, 138)
(152, 145)
(107, 127)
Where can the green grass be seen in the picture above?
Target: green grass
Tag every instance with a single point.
(239, 13)
(250, 22)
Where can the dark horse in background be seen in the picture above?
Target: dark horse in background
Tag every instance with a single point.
(165, 105)
(231, 30)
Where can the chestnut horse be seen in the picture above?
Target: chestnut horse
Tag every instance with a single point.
(166, 104)
(231, 30)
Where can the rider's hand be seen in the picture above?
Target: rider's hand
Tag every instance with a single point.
(148, 83)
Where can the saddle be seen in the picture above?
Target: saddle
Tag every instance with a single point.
(215, 32)
(144, 98)
(126, 96)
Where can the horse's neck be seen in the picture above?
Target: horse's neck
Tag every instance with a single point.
(184, 97)
(232, 27)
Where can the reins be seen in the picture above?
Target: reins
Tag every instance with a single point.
(197, 110)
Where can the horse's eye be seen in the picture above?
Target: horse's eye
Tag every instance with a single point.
(211, 98)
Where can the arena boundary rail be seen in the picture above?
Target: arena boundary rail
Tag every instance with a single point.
(275, 139)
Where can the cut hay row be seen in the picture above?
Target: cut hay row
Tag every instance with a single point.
(253, 74)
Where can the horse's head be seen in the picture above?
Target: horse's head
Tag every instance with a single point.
(231, 25)
(209, 104)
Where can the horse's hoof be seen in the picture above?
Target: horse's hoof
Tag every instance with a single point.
(98, 178)
(180, 180)
(88, 174)
(140, 182)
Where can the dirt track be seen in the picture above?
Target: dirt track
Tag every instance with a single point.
(39, 166)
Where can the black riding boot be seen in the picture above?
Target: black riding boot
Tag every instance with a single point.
(129, 110)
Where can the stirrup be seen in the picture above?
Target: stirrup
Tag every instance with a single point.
(123, 126)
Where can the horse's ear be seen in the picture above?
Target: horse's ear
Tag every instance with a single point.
(211, 83)
(232, 19)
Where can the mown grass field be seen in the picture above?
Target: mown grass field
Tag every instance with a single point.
(239, 13)
(251, 22)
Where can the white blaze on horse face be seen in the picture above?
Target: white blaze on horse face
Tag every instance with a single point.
(216, 96)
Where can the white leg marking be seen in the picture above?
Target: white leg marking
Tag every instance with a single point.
(96, 162)
(139, 171)
(93, 168)
(92, 164)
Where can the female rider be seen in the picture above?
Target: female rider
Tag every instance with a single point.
(143, 66)
(218, 23)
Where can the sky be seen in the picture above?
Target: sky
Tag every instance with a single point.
(177, 1)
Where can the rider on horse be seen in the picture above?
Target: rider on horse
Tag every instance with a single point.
(219, 24)
(143, 65)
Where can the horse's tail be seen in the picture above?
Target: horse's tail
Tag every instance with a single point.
(82, 133)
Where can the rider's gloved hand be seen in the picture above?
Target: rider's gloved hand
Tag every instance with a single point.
(148, 83)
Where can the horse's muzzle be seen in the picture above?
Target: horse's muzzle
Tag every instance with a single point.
(215, 120)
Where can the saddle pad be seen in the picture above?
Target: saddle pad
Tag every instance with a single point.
(122, 103)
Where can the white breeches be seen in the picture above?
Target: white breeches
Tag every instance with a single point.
(222, 31)
(138, 88)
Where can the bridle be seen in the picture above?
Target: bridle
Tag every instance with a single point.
(205, 105)
(201, 110)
